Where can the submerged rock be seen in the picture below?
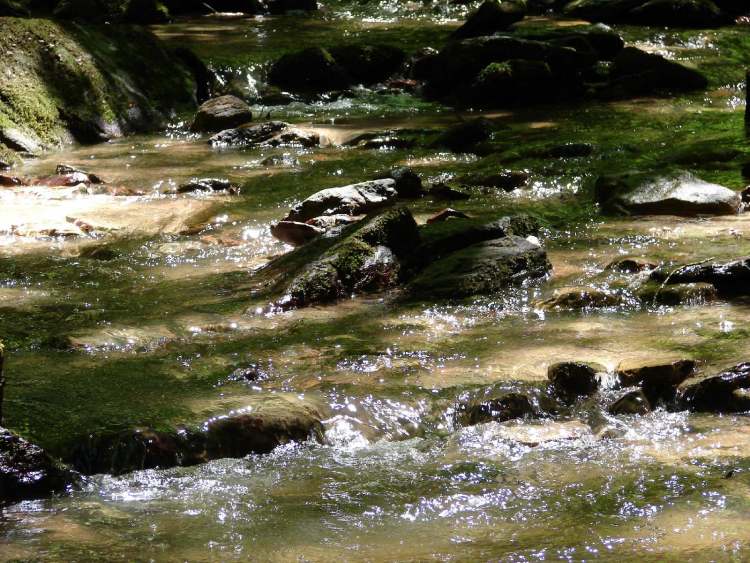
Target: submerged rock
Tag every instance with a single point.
(680, 194)
(507, 180)
(719, 393)
(574, 379)
(465, 136)
(491, 16)
(507, 407)
(207, 185)
(27, 471)
(634, 402)
(270, 133)
(631, 265)
(218, 114)
(576, 298)
(295, 232)
(677, 294)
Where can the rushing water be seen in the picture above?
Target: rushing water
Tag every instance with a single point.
(160, 329)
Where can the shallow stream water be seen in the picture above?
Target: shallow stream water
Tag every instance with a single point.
(156, 335)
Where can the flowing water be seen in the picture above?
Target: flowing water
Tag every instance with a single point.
(157, 333)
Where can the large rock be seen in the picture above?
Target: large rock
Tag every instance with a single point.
(729, 278)
(368, 64)
(678, 13)
(491, 16)
(719, 393)
(224, 112)
(27, 471)
(356, 199)
(506, 407)
(275, 420)
(680, 194)
(658, 379)
(481, 269)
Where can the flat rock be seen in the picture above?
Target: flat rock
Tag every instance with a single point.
(682, 194)
(577, 298)
(355, 199)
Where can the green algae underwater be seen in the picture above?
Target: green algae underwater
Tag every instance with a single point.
(160, 335)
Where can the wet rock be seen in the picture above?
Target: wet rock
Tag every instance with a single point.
(446, 214)
(443, 191)
(604, 42)
(577, 298)
(515, 81)
(249, 134)
(657, 379)
(631, 265)
(569, 150)
(466, 135)
(408, 183)
(637, 73)
(680, 194)
(729, 278)
(677, 294)
(356, 199)
(491, 16)
(207, 185)
(328, 222)
(12, 181)
(295, 233)
(276, 420)
(507, 407)
(311, 70)
(368, 64)
(329, 269)
(67, 180)
(65, 169)
(574, 379)
(481, 269)
(285, 160)
(632, 403)
(719, 394)
(507, 180)
(27, 471)
(218, 114)
(145, 12)
(679, 13)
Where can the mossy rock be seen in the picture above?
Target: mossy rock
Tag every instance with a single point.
(66, 82)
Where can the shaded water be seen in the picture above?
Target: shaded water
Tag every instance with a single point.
(159, 330)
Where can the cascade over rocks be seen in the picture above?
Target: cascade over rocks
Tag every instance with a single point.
(677, 194)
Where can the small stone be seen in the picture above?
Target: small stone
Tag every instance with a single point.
(12, 181)
(573, 379)
(445, 214)
(634, 402)
(631, 265)
(501, 409)
(295, 233)
(64, 169)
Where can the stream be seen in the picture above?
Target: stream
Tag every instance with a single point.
(152, 325)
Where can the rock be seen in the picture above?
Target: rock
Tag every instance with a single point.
(368, 64)
(719, 393)
(268, 423)
(637, 73)
(632, 403)
(328, 222)
(408, 183)
(577, 298)
(677, 294)
(515, 81)
(218, 114)
(507, 407)
(507, 180)
(491, 16)
(658, 379)
(356, 199)
(328, 269)
(295, 233)
(631, 265)
(729, 278)
(481, 269)
(680, 194)
(283, 160)
(445, 192)
(145, 12)
(679, 13)
(312, 70)
(67, 179)
(278, 7)
(604, 42)
(466, 135)
(569, 150)
(207, 185)
(445, 214)
(12, 181)
(249, 134)
(65, 169)
(27, 471)
(574, 379)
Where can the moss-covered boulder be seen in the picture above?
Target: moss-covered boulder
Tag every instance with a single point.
(63, 82)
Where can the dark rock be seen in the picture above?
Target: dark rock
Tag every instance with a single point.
(679, 13)
(443, 191)
(12, 181)
(637, 73)
(408, 183)
(491, 16)
(85, 10)
(507, 180)
(13, 8)
(64, 170)
(481, 269)
(27, 471)
(658, 379)
(2, 380)
(249, 134)
(507, 407)
(515, 81)
(599, 39)
(466, 135)
(680, 194)
(207, 185)
(574, 379)
(295, 233)
(145, 12)
(67, 180)
(368, 64)
(278, 7)
(677, 294)
(218, 114)
(729, 278)
(718, 394)
(631, 265)
(634, 402)
(356, 199)
(578, 298)
(312, 70)
(445, 214)
(569, 150)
